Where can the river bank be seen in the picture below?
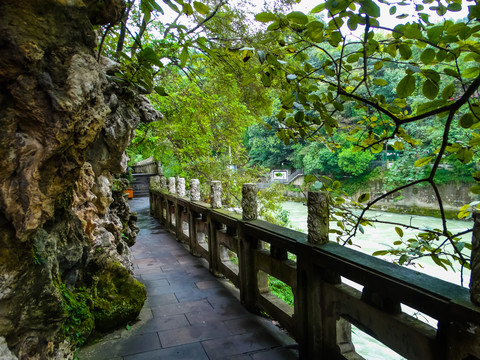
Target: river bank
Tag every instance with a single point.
(415, 200)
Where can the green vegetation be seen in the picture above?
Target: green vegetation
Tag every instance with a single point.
(281, 290)
(335, 92)
(77, 306)
(118, 298)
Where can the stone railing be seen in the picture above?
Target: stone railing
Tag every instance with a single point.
(333, 286)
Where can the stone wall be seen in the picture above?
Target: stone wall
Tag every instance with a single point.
(65, 228)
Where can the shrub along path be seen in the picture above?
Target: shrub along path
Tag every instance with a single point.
(189, 314)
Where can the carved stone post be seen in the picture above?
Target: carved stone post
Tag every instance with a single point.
(194, 190)
(253, 281)
(193, 231)
(249, 202)
(163, 183)
(475, 262)
(181, 187)
(322, 334)
(171, 206)
(155, 182)
(318, 215)
(171, 186)
(216, 194)
(213, 227)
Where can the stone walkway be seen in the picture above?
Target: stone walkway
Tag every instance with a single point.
(189, 314)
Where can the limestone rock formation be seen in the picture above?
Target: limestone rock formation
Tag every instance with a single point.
(64, 234)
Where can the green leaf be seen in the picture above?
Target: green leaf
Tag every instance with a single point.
(378, 65)
(364, 197)
(299, 116)
(475, 189)
(149, 54)
(430, 89)
(338, 106)
(315, 29)
(266, 79)
(454, 7)
(377, 148)
(402, 259)
(393, 10)
(184, 56)
(423, 161)
(412, 31)
(448, 91)
(187, 9)
(398, 146)
(310, 178)
(172, 6)
(201, 8)
(471, 73)
(381, 252)
(318, 8)
(434, 34)
(380, 82)
(287, 101)
(428, 55)
(437, 261)
(401, 103)
(353, 57)
(466, 121)
(399, 231)
(406, 86)
(370, 8)
(429, 106)
(405, 51)
(352, 23)
(298, 17)
(464, 155)
(265, 17)
(160, 90)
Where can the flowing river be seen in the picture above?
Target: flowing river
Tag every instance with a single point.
(382, 237)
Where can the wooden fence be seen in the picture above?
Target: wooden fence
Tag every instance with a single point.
(245, 250)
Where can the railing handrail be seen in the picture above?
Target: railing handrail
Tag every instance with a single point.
(435, 293)
(316, 264)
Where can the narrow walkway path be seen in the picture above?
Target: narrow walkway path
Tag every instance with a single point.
(189, 314)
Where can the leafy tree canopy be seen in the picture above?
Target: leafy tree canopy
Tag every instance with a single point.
(341, 56)
(343, 78)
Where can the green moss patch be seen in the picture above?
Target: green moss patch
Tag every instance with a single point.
(79, 322)
(118, 297)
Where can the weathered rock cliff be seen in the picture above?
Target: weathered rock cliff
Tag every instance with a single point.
(64, 235)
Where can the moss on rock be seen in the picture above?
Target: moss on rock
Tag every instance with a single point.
(77, 306)
(118, 297)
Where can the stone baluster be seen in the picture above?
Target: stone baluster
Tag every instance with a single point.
(249, 202)
(171, 186)
(163, 182)
(181, 187)
(194, 190)
(155, 182)
(318, 215)
(475, 261)
(216, 194)
(253, 281)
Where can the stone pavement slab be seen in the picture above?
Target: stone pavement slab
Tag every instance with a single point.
(189, 314)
